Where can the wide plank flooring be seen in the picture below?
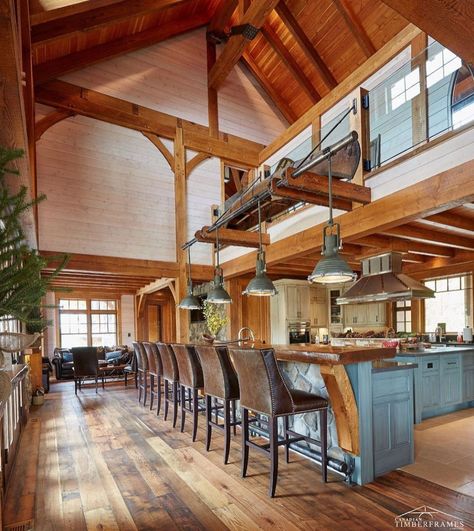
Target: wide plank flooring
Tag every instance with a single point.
(105, 462)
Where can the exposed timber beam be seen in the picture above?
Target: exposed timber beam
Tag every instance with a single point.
(404, 246)
(451, 219)
(417, 231)
(94, 18)
(462, 262)
(157, 142)
(222, 15)
(255, 15)
(320, 185)
(355, 27)
(443, 191)
(53, 13)
(13, 133)
(155, 286)
(287, 59)
(79, 60)
(450, 22)
(240, 238)
(305, 43)
(49, 120)
(281, 105)
(123, 266)
(309, 197)
(126, 114)
(192, 164)
(344, 88)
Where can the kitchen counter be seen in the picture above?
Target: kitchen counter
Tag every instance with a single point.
(322, 354)
(434, 351)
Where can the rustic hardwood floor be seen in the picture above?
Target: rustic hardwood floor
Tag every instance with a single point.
(105, 462)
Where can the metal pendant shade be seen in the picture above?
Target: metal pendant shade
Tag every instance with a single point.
(260, 285)
(218, 294)
(189, 302)
(332, 268)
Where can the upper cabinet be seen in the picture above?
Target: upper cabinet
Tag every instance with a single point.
(370, 314)
(297, 302)
(318, 306)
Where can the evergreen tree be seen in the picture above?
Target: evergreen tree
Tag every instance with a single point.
(21, 285)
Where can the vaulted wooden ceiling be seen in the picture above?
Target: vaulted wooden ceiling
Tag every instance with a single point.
(303, 50)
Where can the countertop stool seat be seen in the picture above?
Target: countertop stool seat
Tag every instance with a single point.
(142, 370)
(221, 383)
(170, 379)
(190, 380)
(273, 398)
(155, 371)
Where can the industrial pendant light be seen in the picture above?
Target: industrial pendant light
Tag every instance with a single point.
(218, 294)
(260, 285)
(190, 302)
(332, 268)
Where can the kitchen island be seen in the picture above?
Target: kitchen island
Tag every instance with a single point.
(443, 379)
(371, 403)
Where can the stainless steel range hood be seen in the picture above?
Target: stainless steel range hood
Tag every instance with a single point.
(382, 280)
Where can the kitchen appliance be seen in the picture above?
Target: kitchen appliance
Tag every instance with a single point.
(467, 334)
(382, 280)
(299, 332)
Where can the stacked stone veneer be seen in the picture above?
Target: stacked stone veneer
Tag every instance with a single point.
(307, 377)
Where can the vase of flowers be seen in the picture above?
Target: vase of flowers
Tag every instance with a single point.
(216, 320)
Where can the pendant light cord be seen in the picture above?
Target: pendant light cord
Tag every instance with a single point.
(217, 248)
(259, 227)
(331, 222)
(189, 263)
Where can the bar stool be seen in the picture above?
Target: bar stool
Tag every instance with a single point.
(155, 370)
(142, 370)
(220, 382)
(170, 378)
(190, 379)
(131, 368)
(272, 398)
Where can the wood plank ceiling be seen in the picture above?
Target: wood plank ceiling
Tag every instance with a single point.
(304, 49)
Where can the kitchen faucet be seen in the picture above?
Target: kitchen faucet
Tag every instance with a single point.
(251, 335)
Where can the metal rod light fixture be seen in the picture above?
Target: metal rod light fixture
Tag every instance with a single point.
(332, 268)
(218, 294)
(190, 301)
(260, 285)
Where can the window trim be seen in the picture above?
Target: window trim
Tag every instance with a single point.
(88, 311)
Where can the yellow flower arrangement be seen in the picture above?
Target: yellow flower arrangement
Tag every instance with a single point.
(215, 317)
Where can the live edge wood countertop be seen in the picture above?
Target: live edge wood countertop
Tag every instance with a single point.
(322, 354)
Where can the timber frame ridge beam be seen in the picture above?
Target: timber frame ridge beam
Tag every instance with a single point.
(255, 16)
(240, 238)
(443, 191)
(97, 105)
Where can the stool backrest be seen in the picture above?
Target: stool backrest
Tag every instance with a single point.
(85, 361)
(168, 359)
(220, 378)
(262, 387)
(140, 355)
(152, 354)
(190, 370)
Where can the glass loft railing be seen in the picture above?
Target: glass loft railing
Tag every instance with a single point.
(431, 94)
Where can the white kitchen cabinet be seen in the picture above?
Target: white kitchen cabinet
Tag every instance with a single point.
(318, 307)
(370, 314)
(376, 314)
(297, 302)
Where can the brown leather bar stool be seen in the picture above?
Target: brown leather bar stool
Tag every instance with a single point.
(142, 370)
(170, 378)
(155, 370)
(221, 382)
(273, 398)
(191, 380)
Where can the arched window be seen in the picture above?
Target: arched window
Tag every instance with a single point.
(462, 97)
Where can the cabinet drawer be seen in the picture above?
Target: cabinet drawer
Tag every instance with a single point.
(430, 365)
(450, 362)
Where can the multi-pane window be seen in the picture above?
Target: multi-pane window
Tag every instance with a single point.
(403, 316)
(405, 89)
(451, 304)
(85, 322)
(441, 65)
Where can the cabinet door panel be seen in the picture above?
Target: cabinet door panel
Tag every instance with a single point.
(292, 304)
(303, 299)
(431, 390)
(451, 387)
(468, 384)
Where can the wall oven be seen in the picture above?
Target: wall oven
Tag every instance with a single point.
(299, 332)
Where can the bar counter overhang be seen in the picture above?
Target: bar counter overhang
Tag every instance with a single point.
(347, 373)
